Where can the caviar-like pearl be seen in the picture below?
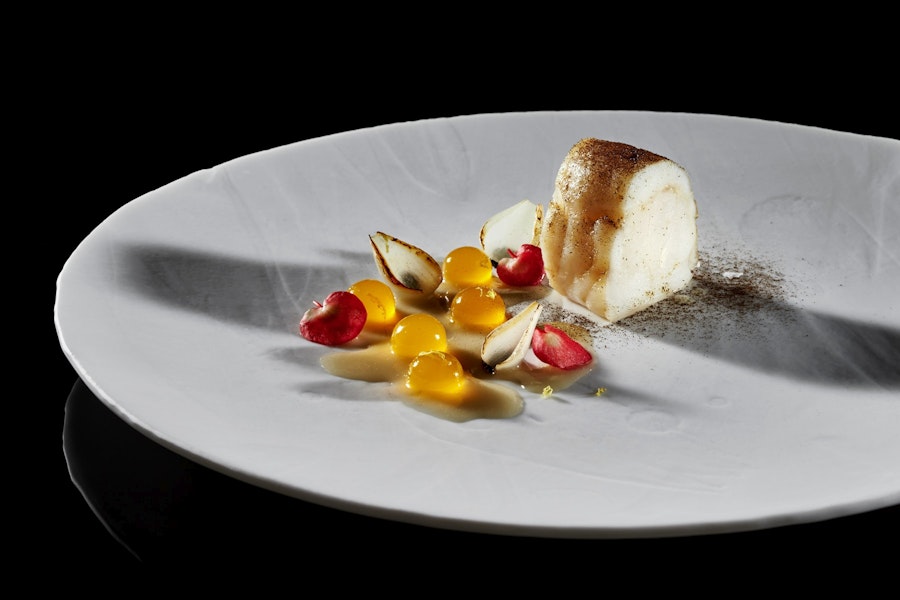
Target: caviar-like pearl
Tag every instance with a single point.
(419, 332)
(467, 266)
(478, 308)
(437, 375)
(378, 298)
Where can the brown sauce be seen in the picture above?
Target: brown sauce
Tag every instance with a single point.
(486, 395)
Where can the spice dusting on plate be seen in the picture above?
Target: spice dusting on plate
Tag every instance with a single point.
(715, 309)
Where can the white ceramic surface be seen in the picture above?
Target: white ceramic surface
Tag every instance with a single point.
(180, 313)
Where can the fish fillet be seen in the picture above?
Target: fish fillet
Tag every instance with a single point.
(620, 232)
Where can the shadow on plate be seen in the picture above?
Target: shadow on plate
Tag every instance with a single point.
(749, 318)
(746, 320)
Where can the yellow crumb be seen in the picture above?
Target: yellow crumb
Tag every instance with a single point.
(600, 391)
(547, 391)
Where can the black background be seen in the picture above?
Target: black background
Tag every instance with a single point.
(105, 132)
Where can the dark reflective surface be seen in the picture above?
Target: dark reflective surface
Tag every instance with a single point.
(163, 509)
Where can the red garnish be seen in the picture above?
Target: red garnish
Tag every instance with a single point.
(556, 348)
(336, 321)
(522, 268)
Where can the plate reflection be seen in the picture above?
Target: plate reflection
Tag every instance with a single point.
(164, 508)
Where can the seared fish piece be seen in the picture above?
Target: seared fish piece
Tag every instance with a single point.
(620, 232)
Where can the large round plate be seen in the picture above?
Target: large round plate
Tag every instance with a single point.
(771, 405)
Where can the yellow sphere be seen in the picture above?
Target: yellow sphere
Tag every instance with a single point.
(478, 308)
(419, 332)
(436, 374)
(467, 266)
(378, 298)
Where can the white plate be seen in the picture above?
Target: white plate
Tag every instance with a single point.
(742, 412)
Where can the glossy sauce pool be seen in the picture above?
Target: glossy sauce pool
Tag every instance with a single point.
(485, 395)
